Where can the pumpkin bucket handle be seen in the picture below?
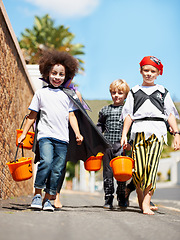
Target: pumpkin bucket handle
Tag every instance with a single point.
(28, 141)
(15, 158)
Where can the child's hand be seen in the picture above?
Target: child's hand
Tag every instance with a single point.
(21, 138)
(124, 142)
(176, 142)
(79, 139)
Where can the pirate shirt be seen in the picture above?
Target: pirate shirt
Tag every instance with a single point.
(148, 109)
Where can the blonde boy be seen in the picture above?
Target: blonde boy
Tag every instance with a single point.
(110, 124)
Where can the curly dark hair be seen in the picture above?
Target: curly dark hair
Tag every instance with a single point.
(53, 57)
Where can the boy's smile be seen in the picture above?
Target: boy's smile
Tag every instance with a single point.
(149, 74)
(57, 75)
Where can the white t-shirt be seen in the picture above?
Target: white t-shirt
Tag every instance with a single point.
(147, 109)
(55, 106)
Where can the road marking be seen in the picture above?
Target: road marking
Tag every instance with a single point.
(170, 208)
(159, 205)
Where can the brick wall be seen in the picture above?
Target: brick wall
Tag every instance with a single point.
(15, 93)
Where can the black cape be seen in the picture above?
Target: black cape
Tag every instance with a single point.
(93, 142)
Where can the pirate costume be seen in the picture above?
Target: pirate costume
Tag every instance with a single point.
(149, 107)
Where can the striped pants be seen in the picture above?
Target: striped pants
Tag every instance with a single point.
(146, 154)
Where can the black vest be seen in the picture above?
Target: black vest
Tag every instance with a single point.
(156, 98)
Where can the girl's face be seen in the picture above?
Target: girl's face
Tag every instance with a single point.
(149, 74)
(57, 75)
(118, 96)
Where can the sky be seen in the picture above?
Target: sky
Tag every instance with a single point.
(116, 34)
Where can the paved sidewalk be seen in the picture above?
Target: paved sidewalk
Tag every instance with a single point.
(83, 217)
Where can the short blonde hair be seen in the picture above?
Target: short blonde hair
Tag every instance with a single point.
(121, 85)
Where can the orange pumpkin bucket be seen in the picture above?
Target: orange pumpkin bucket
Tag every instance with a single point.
(93, 163)
(122, 168)
(20, 169)
(28, 141)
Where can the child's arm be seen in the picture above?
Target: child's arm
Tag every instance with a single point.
(29, 122)
(126, 127)
(79, 95)
(74, 124)
(173, 124)
(101, 122)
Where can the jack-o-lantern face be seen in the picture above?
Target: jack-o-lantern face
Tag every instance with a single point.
(31, 140)
(30, 167)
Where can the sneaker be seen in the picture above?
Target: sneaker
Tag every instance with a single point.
(47, 206)
(108, 202)
(37, 202)
(122, 202)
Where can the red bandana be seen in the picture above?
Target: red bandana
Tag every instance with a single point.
(150, 60)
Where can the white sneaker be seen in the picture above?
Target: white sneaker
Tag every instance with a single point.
(47, 206)
(37, 202)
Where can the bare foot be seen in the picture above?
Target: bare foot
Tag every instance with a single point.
(146, 202)
(148, 211)
(154, 208)
(57, 202)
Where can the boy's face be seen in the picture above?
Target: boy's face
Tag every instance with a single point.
(118, 96)
(149, 74)
(57, 75)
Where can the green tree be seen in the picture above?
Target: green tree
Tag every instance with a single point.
(44, 35)
(70, 170)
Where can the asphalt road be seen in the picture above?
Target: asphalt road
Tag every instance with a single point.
(83, 217)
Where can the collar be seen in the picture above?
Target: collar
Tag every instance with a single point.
(51, 86)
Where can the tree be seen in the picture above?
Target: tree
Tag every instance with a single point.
(44, 35)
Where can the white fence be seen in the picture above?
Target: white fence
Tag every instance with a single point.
(172, 164)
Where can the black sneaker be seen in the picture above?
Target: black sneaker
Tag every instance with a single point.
(108, 202)
(122, 202)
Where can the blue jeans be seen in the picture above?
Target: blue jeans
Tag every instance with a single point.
(52, 163)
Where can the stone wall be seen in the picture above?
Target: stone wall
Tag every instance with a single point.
(16, 93)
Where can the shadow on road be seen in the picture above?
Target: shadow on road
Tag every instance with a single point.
(17, 207)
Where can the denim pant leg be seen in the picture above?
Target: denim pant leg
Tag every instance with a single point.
(44, 166)
(57, 167)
